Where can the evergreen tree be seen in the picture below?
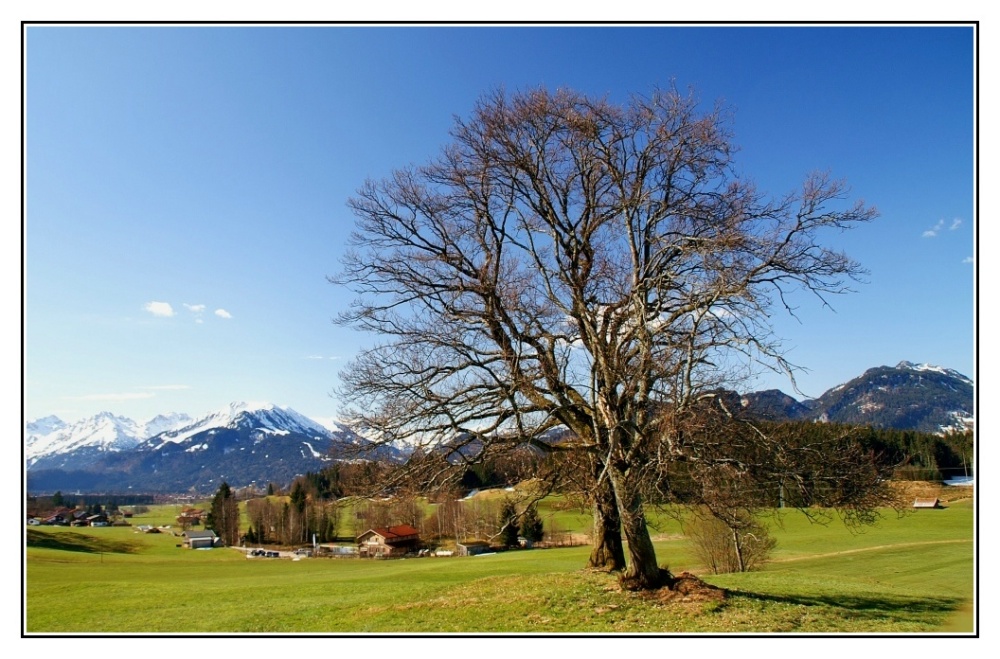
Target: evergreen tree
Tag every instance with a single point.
(531, 525)
(508, 523)
(224, 517)
(298, 497)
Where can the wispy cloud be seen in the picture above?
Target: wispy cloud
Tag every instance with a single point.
(222, 313)
(162, 309)
(194, 308)
(968, 259)
(939, 227)
(133, 395)
(166, 387)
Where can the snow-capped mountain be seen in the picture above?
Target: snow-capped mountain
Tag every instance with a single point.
(949, 372)
(84, 439)
(262, 417)
(163, 423)
(44, 426)
(907, 396)
(244, 443)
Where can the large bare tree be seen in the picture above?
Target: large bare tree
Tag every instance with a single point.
(568, 261)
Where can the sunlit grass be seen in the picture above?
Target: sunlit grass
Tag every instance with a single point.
(906, 575)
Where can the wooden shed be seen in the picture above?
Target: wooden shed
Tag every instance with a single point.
(472, 548)
(926, 503)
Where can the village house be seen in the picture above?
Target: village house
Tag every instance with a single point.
(388, 542)
(191, 517)
(96, 520)
(201, 539)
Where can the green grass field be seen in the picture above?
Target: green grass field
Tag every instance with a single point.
(913, 574)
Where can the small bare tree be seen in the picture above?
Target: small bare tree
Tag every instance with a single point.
(736, 543)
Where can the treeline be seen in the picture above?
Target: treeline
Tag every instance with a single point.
(383, 494)
(295, 519)
(809, 445)
(109, 502)
(317, 501)
(927, 456)
(916, 456)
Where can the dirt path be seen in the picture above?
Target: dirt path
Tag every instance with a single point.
(864, 549)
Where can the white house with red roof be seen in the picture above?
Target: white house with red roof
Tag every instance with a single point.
(388, 542)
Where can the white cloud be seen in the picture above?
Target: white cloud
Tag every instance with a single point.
(162, 309)
(931, 233)
(194, 308)
(314, 357)
(222, 313)
(968, 259)
(937, 228)
(167, 387)
(135, 395)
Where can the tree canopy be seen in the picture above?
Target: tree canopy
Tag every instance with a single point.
(571, 262)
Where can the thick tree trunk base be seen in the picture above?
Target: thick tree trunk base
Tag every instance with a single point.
(644, 581)
(686, 588)
(608, 553)
(605, 560)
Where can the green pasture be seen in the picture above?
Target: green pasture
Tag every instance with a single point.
(910, 574)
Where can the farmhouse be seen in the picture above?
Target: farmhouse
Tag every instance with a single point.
(191, 517)
(200, 539)
(388, 542)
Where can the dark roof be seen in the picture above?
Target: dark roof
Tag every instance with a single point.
(199, 534)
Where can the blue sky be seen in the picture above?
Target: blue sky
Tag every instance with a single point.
(185, 186)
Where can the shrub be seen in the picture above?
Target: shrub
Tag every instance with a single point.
(738, 544)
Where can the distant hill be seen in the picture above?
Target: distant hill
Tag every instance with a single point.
(775, 405)
(906, 396)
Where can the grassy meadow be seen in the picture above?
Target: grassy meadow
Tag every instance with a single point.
(909, 574)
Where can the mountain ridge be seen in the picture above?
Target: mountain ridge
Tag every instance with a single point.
(246, 443)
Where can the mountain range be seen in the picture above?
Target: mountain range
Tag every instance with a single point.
(261, 443)
(242, 444)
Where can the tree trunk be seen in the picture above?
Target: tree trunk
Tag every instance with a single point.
(642, 572)
(739, 551)
(608, 552)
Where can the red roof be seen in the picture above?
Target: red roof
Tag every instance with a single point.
(395, 532)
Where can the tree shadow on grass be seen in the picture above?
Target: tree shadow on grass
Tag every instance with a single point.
(80, 542)
(920, 610)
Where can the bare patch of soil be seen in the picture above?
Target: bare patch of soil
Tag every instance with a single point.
(687, 588)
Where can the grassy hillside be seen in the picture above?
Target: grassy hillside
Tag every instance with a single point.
(909, 574)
